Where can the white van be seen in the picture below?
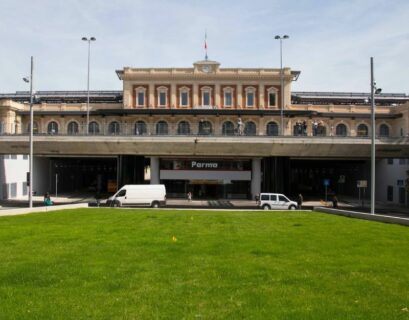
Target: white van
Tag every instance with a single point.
(276, 201)
(153, 195)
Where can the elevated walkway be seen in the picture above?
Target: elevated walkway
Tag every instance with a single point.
(195, 145)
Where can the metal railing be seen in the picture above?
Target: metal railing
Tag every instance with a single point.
(162, 129)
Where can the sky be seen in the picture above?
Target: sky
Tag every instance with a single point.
(330, 42)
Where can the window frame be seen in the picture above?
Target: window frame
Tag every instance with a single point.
(165, 91)
(138, 91)
(182, 91)
(269, 92)
(252, 91)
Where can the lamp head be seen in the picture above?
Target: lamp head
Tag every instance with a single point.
(26, 80)
(93, 39)
(277, 37)
(378, 91)
(286, 36)
(84, 39)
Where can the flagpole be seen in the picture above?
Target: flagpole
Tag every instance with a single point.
(206, 45)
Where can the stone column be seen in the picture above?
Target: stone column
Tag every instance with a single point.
(151, 96)
(239, 96)
(155, 174)
(195, 94)
(255, 177)
(173, 99)
(217, 94)
(261, 96)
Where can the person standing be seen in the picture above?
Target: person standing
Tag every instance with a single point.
(300, 201)
(240, 127)
(335, 201)
(189, 196)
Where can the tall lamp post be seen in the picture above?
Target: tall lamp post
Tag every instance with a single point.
(374, 91)
(281, 38)
(30, 169)
(89, 57)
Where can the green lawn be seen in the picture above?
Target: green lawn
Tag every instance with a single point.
(160, 264)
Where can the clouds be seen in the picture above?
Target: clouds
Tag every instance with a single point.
(330, 41)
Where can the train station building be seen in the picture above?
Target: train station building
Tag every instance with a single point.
(217, 132)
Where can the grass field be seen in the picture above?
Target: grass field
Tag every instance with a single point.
(154, 264)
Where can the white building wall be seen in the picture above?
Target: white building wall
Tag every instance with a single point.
(391, 173)
(13, 175)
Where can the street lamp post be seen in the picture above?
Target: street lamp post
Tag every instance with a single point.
(281, 38)
(30, 169)
(89, 58)
(374, 91)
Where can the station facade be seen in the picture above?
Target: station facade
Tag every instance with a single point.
(216, 132)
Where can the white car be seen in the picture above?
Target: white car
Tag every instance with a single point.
(276, 201)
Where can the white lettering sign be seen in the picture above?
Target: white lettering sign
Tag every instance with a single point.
(204, 165)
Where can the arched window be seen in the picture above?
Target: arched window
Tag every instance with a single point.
(300, 128)
(228, 128)
(162, 128)
(35, 128)
(341, 130)
(140, 128)
(318, 129)
(72, 128)
(93, 128)
(362, 130)
(205, 128)
(52, 128)
(272, 129)
(384, 130)
(250, 128)
(183, 128)
(114, 128)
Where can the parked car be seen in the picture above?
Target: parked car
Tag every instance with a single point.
(276, 201)
(153, 195)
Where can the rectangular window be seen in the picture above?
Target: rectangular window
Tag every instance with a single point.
(162, 98)
(25, 157)
(13, 190)
(206, 98)
(390, 193)
(25, 188)
(402, 161)
(272, 99)
(402, 194)
(250, 99)
(390, 161)
(141, 99)
(184, 99)
(228, 101)
(13, 156)
(5, 191)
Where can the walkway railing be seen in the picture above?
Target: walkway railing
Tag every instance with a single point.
(161, 129)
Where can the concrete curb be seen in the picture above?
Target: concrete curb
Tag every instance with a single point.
(19, 211)
(365, 216)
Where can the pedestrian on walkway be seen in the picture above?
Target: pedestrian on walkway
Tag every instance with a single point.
(335, 201)
(300, 200)
(189, 196)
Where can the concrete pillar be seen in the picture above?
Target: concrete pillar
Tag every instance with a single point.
(155, 179)
(255, 177)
